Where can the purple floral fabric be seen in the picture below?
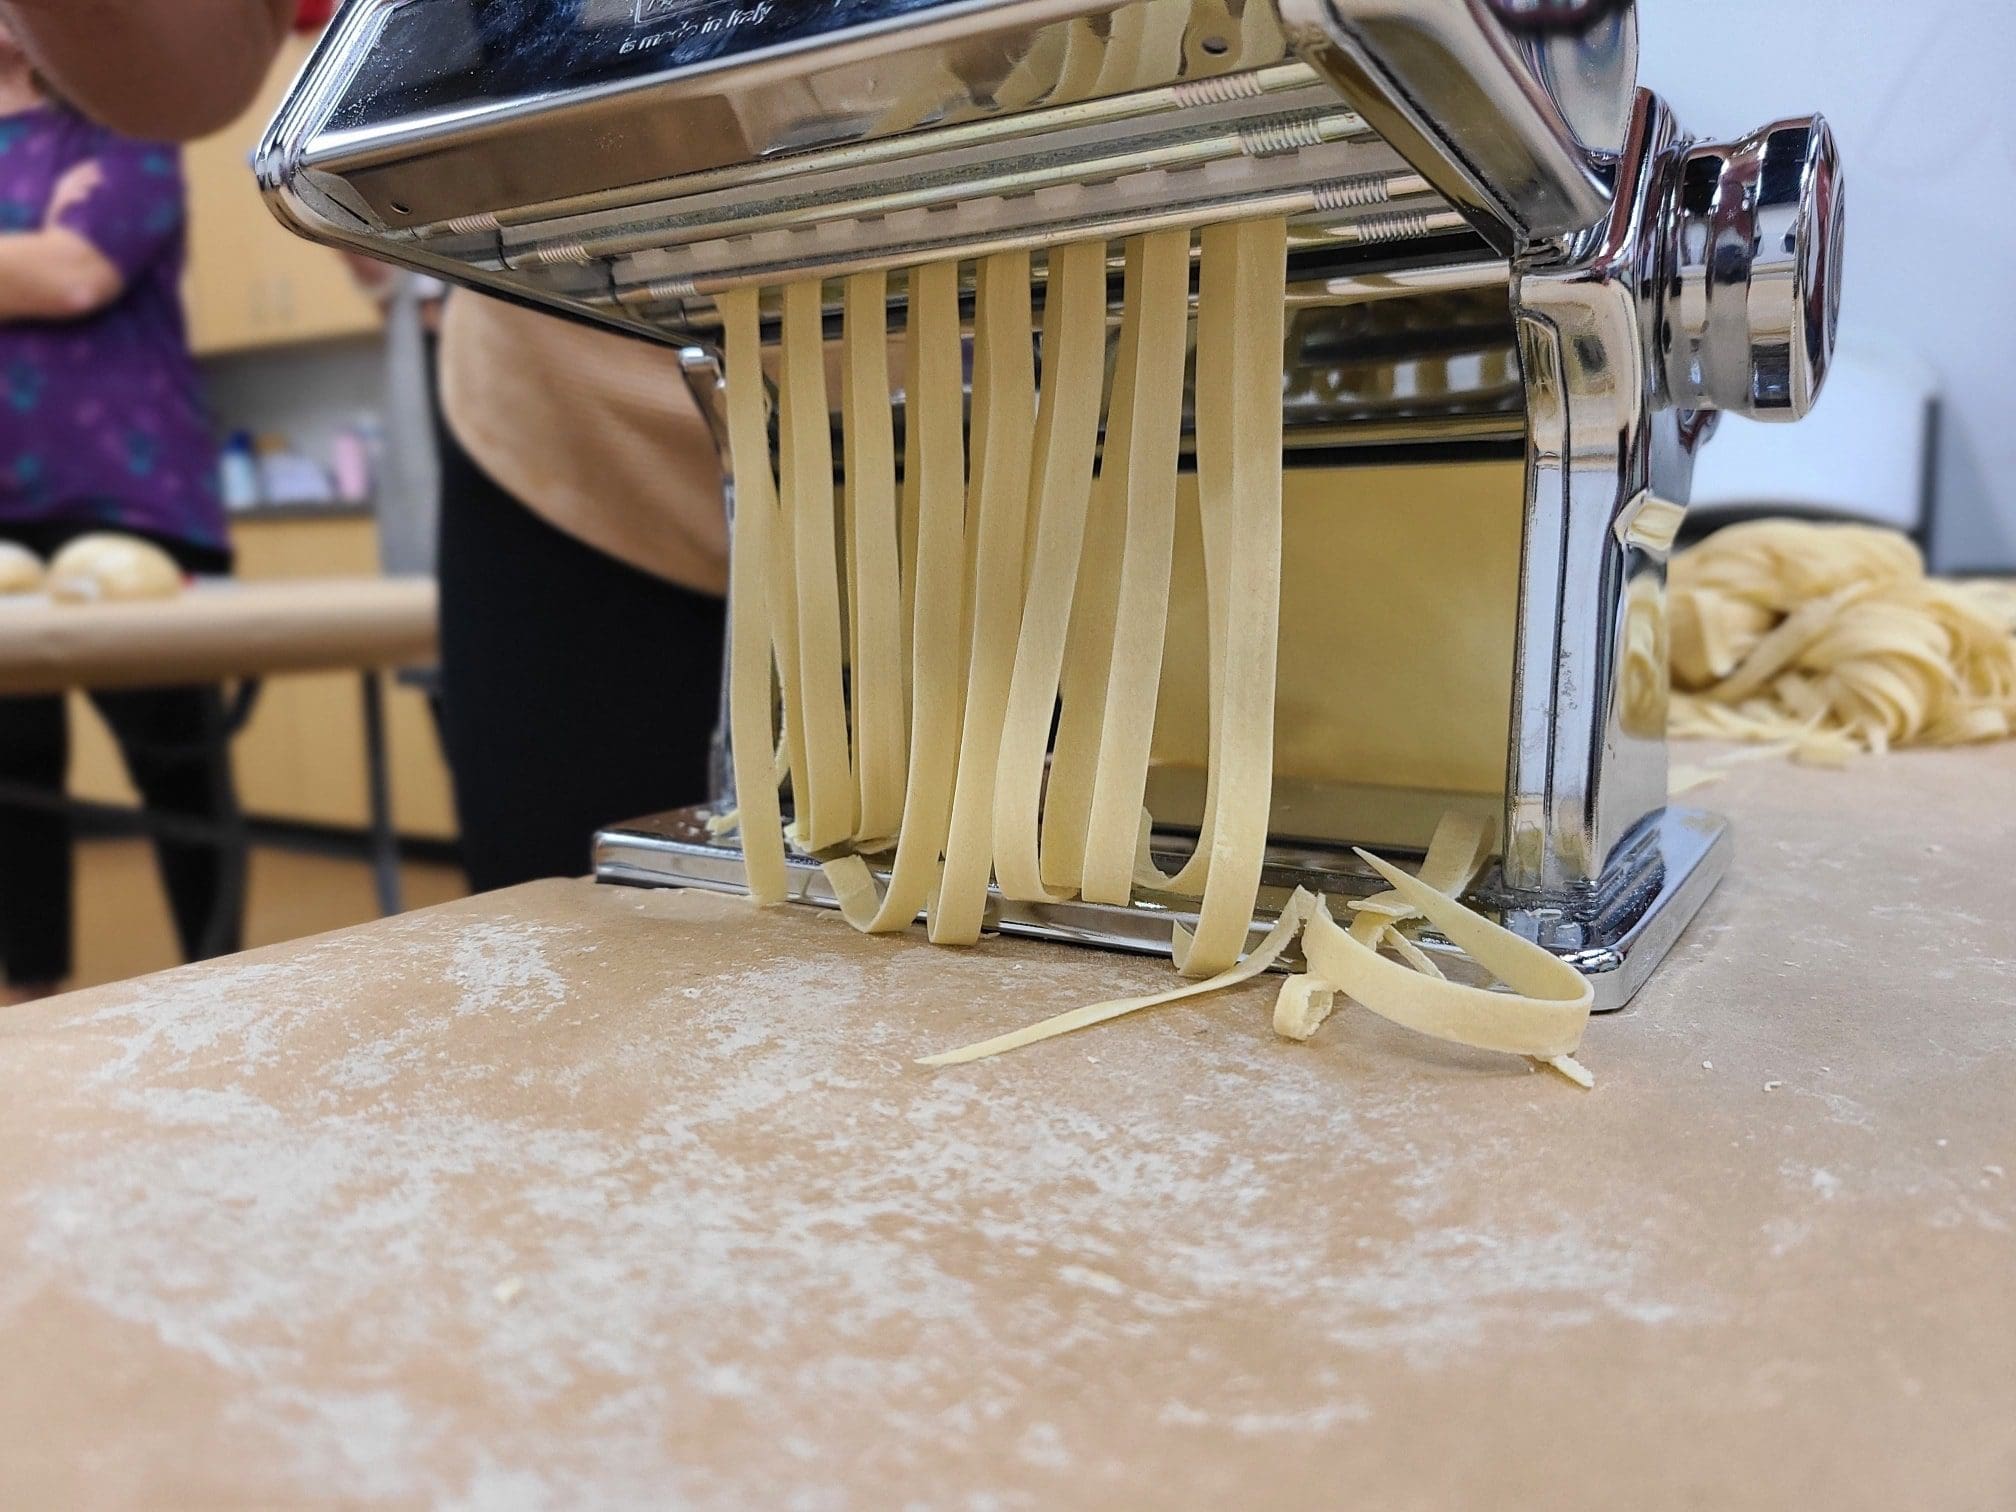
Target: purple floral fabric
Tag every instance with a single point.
(102, 419)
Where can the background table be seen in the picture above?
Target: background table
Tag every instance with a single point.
(575, 1196)
(222, 631)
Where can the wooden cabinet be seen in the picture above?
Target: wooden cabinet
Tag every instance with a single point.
(302, 756)
(251, 282)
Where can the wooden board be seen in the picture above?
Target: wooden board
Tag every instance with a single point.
(578, 1196)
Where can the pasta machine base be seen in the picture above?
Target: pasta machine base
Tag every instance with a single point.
(1615, 935)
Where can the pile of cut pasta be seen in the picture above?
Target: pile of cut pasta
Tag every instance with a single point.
(1827, 640)
(924, 629)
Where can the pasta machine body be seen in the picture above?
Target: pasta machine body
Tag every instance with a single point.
(1519, 295)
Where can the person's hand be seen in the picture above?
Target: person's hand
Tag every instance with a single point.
(72, 189)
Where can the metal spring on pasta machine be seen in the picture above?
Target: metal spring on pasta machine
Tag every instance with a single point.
(559, 253)
(1222, 90)
(1276, 136)
(1402, 225)
(1351, 193)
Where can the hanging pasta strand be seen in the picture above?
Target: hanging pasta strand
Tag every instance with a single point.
(751, 707)
(824, 788)
(979, 603)
(783, 596)
(1216, 328)
(1004, 394)
(1245, 270)
(1155, 437)
(1067, 442)
(1239, 344)
(937, 394)
(907, 501)
(1088, 656)
(875, 596)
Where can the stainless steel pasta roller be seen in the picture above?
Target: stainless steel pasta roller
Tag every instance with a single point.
(1518, 296)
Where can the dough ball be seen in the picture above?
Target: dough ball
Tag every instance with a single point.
(20, 569)
(109, 568)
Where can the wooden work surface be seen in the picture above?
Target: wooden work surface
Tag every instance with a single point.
(573, 1197)
(216, 630)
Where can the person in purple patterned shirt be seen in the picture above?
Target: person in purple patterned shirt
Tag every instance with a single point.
(102, 426)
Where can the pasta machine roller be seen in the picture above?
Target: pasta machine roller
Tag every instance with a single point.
(1519, 294)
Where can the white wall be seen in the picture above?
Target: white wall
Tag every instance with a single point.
(1918, 94)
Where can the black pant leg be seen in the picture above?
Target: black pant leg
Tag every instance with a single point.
(179, 756)
(577, 691)
(35, 844)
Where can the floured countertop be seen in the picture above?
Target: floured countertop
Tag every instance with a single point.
(575, 1196)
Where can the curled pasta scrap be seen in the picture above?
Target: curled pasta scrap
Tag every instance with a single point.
(1270, 950)
(1542, 1015)
(1831, 641)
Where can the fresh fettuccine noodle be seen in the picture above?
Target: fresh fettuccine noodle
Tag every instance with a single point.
(1020, 573)
(1831, 639)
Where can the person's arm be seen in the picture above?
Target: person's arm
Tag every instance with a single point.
(154, 68)
(54, 274)
(58, 273)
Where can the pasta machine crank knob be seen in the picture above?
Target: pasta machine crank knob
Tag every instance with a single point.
(1752, 287)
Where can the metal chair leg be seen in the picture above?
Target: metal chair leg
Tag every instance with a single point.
(384, 838)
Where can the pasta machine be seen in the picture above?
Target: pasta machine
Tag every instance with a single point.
(1518, 297)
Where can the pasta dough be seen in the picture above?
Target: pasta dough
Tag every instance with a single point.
(1831, 639)
(981, 599)
(111, 568)
(21, 571)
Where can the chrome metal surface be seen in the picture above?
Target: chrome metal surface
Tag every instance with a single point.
(1401, 358)
(1609, 426)
(1582, 773)
(1515, 124)
(1753, 289)
(1497, 244)
(562, 158)
(1615, 937)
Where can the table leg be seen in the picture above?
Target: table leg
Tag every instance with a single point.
(384, 838)
(226, 930)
